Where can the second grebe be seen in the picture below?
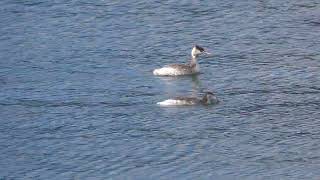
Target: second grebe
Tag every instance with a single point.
(183, 69)
(208, 99)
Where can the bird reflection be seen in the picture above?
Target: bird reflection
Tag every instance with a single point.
(172, 86)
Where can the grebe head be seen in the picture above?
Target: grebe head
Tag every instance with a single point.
(209, 98)
(197, 50)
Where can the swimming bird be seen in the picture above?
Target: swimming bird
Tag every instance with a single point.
(207, 99)
(183, 69)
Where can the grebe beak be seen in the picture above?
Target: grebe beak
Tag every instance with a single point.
(206, 52)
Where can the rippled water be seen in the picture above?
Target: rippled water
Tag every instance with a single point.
(77, 94)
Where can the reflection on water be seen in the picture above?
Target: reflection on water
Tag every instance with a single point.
(190, 83)
(196, 83)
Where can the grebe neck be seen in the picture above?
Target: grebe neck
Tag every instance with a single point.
(206, 100)
(194, 60)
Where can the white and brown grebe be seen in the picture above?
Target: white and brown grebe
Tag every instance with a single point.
(208, 99)
(183, 69)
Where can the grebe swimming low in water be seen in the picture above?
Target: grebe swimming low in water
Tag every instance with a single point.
(183, 69)
(208, 99)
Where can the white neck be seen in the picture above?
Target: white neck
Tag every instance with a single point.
(193, 53)
(194, 60)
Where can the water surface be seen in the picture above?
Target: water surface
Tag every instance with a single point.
(78, 98)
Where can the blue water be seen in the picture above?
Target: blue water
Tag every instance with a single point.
(78, 98)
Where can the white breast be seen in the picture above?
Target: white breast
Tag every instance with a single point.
(166, 71)
(174, 102)
(197, 68)
(171, 71)
(169, 102)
